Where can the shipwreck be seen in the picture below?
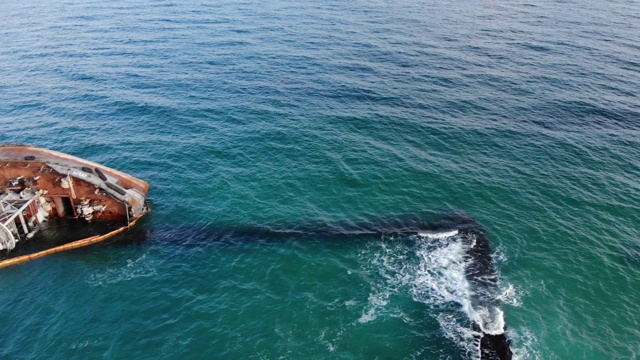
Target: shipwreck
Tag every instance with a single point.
(38, 185)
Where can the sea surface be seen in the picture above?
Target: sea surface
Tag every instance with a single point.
(295, 150)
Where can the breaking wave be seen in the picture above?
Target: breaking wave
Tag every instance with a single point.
(438, 269)
(441, 278)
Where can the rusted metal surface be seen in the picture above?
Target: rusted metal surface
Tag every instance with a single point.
(66, 187)
(41, 165)
(50, 181)
(20, 152)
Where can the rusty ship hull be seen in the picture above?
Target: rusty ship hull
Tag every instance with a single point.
(37, 185)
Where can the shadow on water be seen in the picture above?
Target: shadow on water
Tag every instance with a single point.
(479, 270)
(205, 234)
(485, 317)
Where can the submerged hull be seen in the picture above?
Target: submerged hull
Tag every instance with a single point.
(39, 184)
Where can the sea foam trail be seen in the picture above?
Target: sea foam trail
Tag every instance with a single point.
(453, 275)
(451, 271)
(443, 274)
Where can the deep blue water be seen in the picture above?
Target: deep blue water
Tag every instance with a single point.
(272, 132)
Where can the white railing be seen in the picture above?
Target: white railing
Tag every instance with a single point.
(7, 241)
(10, 212)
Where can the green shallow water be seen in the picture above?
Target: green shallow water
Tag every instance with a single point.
(272, 133)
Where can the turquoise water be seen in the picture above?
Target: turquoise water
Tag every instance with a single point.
(281, 139)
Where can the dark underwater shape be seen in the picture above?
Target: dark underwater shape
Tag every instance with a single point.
(495, 347)
(481, 275)
(479, 270)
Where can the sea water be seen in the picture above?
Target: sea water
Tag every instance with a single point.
(286, 143)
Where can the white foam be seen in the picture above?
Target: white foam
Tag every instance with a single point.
(376, 301)
(133, 269)
(434, 272)
(322, 339)
(466, 338)
(441, 279)
(510, 296)
(527, 345)
(350, 303)
(440, 275)
(490, 320)
(499, 255)
(438, 235)
(368, 316)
